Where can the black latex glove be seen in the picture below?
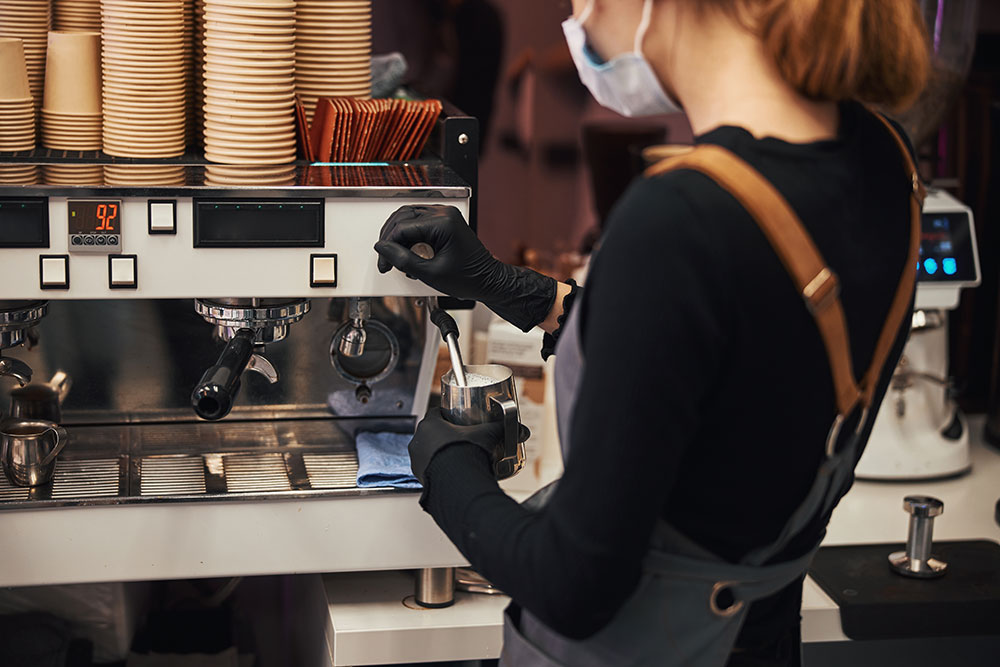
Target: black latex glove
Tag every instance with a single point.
(434, 433)
(462, 267)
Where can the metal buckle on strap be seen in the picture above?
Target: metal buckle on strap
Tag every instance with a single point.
(862, 419)
(821, 291)
(834, 434)
(713, 600)
(919, 191)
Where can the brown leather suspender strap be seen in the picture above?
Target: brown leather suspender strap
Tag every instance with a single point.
(900, 308)
(815, 280)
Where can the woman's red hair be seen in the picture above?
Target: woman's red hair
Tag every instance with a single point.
(875, 51)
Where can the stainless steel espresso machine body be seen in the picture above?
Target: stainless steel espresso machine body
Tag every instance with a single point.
(228, 335)
(211, 332)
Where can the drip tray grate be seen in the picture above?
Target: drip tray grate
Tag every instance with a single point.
(10, 492)
(203, 462)
(172, 476)
(94, 478)
(250, 473)
(332, 471)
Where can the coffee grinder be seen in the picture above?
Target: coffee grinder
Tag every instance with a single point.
(919, 432)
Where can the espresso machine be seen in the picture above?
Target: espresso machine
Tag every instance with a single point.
(191, 308)
(227, 339)
(919, 432)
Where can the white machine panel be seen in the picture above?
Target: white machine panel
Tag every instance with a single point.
(167, 265)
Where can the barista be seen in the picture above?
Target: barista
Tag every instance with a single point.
(695, 387)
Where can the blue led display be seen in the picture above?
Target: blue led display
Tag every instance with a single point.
(946, 248)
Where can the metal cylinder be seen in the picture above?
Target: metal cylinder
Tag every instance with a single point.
(352, 342)
(918, 560)
(918, 541)
(435, 587)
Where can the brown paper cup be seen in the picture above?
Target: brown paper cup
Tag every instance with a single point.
(13, 71)
(73, 72)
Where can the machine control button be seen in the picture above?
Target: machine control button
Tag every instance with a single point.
(323, 271)
(54, 271)
(88, 239)
(112, 240)
(163, 217)
(122, 272)
(101, 240)
(76, 239)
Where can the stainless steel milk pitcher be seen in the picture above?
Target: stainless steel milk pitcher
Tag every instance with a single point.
(29, 448)
(41, 400)
(490, 396)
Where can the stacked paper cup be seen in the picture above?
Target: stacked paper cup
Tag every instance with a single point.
(82, 15)
(18, 174)
(29, 21)
(249, 81)
(144, 87)
(225, 174)
(199, 69)
(71, 111)
(144, 174)
(73, 174)
(191, 82)
(17, 112)
(333, 46)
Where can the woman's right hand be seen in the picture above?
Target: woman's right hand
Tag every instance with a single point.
(461, 266)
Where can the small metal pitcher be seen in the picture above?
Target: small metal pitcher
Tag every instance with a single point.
(28, 449)
(41, 401)
(478, 404)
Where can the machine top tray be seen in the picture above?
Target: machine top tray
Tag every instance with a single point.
(58, 173)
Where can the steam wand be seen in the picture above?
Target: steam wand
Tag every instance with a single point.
(449, 331)
(443, 321)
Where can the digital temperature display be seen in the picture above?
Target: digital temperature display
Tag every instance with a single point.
(95, 216)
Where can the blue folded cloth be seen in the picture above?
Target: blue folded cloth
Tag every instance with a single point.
(383, 460)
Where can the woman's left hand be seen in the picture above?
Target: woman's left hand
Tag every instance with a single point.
(434, 433)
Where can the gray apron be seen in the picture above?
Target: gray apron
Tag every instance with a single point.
(689, 605)
(674, 617)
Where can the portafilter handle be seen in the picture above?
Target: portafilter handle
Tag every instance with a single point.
(214, 396)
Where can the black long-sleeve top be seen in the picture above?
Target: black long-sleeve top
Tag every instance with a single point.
(706, 395)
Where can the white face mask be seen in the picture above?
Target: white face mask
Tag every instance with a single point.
(627, 83)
